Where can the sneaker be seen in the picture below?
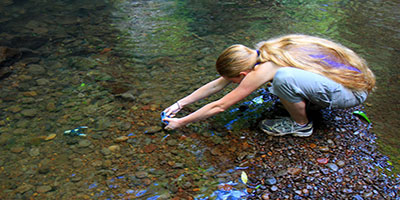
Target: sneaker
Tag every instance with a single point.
(284, 126)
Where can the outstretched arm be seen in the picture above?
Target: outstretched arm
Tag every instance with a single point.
(251, 82)
(201, 93)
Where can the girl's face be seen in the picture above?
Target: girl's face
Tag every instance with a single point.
(237, 79)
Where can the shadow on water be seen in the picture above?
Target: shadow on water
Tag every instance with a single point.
(113, 66)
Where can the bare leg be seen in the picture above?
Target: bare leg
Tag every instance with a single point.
(296, 110)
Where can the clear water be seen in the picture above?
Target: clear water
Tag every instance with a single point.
(91, 52)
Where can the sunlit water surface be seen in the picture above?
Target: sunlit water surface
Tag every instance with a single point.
(86, 54)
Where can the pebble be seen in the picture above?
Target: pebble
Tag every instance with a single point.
(84, 143)
(153, 129)
(42, 82)
(34, 152)
(172, 142)
(266, 196)
(35, 69)
(141, 174)
(322, 161)
(17, 149)
(29, 112)
(97, 163)
(43, 189)
(332, 166)
(294, 171)
(51, 107)
(149, 148)
(24, 187)
(368, 195)
(125, 126)
(106, 151)
(274, 188)
(324, 149)
(340, 163)
(114, 148)
(178, 166)
(121, 139)
(271, 181)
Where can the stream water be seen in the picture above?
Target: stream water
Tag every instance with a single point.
(114, 65)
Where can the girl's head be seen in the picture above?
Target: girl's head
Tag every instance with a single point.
(235, 59)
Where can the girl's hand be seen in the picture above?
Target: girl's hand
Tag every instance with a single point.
(173, 123)
(173, 109)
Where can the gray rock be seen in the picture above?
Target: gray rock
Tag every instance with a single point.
(125, 126)
(84, 143)
(153, 129)
(29, 112)
(24, 188)
(35, 69)
(141, 174)
(332, 166)
(340, 163)
(129, 95)
(271, 181)
(274, 188)
(178, 166)
(172, 142)
(34, 152)
(43, 189)
(42, 82)
(106, 151)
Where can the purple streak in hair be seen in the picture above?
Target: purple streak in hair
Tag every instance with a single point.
(334, 63)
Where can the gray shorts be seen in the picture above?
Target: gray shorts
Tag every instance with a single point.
(295, 85)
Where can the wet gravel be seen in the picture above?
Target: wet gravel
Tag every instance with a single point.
(339, 161)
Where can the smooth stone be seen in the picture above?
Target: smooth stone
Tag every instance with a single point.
(368, 195)
(178, 166)
(106, 151)
(30, 94)
(121, 139)
(36, 69)
(271, 181)
(141, 174)
(17, 149)
(97, 163)
(34, 152)
(15, 109)
(294, 171)
(29, 112)
(24, 188)
(274, 188)
(84, 143)
(340, 163)
(149, 148)
(172, 142)
(152, 129)
(324, 149)
(42, 82)
(51, 107)
(125, 126)
(332, 166)
(43, 189)
(114, 148)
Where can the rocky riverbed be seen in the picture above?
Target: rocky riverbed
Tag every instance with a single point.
(80, 104)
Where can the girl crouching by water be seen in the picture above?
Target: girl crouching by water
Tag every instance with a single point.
(304, 70)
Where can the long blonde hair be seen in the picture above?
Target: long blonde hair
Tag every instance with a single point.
(296, 51)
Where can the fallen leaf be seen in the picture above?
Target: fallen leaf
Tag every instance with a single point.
(51, 136)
